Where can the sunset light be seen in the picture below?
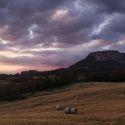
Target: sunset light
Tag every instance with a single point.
(50, 34)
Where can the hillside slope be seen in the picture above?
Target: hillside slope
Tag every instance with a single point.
(98, 104)
(101, 61)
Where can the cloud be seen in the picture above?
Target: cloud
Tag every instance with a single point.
(58, 32)
(110, 6)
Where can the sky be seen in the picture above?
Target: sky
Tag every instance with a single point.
(49, 34)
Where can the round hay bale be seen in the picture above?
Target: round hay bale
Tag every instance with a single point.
(73, 110)
(59, 107)
(67, 110)
(77, 98)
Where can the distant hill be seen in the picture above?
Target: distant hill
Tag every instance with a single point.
(100, 66)
(97, 66)
(101, 61)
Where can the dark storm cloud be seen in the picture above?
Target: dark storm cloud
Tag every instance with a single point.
(115, 29)
(118, 23)
(110, 6)
(20, 15)
(74, 26)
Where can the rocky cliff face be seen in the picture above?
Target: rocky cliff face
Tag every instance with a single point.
(101, 61)
(106, 56)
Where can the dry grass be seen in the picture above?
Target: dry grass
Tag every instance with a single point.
(98, 104)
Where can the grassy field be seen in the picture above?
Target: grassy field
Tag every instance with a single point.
(98, 104)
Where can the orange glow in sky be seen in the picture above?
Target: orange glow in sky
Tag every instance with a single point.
(6, 68)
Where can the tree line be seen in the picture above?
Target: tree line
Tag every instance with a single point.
(18, 86)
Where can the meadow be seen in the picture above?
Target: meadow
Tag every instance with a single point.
(98, 104)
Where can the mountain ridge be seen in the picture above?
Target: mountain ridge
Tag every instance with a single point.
(107, 55)
(101, 60)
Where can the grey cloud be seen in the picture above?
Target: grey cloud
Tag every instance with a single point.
(110, 6)
(73, 29)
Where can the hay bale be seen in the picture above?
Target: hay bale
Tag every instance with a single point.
(71, 110)
(67, 110)
(77, 98)
(59, 107)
